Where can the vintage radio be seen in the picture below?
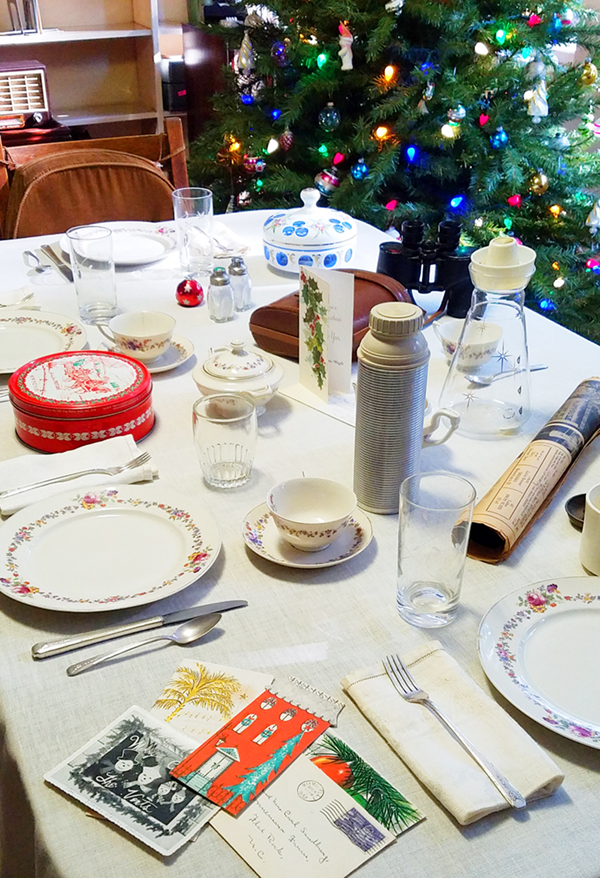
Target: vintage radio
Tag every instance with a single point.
(24, 99)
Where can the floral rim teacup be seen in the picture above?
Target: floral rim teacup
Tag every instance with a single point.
(477, 345)
(143, 335)
(310, 513)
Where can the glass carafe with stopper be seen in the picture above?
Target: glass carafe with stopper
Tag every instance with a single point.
(488, 379)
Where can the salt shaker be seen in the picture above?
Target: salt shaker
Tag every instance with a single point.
(390, 404)
(240, 284)
(220, 296)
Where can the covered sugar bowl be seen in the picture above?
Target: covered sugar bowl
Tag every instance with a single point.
(236, 369)
(310, 236)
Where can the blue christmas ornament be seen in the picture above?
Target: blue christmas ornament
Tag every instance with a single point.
(246, 99)
(359, 171)
(329, 118)
(499, 138)
(279, 54)
(547, 305)
(555, 26)
(275, 114)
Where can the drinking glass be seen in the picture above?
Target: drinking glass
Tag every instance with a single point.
(225, 430)
(436, 510)
(193, 209)
(93, 270)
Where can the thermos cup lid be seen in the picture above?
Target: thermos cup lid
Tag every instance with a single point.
(395, 319)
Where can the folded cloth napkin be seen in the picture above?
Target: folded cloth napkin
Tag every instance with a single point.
(21, 299)
(226, 242)
(432, 753)
(32, 468)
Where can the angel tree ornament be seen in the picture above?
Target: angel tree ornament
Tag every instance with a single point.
(346, 40)
(593, 219)
(537, 102)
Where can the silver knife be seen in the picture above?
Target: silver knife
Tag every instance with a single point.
(62, 266)
(55, 647)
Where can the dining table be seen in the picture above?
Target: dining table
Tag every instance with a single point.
(315, 624)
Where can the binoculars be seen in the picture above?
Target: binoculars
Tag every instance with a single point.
(425, 266)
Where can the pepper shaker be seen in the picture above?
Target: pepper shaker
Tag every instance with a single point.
(240, 284)
(220, 297)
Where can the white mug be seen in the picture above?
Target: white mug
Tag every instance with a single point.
(589, 549)
(143, 335)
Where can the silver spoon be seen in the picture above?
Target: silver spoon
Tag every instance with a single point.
(33, 261)
(186, 633)
(486, 380)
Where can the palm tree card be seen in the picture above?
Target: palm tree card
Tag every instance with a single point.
(245, 755)
(123, 774)
(304, 824)
(201, 696)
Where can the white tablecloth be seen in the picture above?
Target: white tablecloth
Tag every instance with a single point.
(316, 624)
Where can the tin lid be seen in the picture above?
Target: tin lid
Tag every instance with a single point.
(219, 277)
(235, 362)
(395, 319)
(237, 267)
(75, 384)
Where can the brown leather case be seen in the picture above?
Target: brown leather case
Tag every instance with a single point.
(275, 326)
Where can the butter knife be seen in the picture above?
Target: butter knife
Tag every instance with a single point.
(62, 266)
(67, 644)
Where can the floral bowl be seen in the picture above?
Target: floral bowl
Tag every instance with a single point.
(309, 236)
(310, 513)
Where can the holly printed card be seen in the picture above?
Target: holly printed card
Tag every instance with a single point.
(325, 331)
(241, 759)
(123, 775)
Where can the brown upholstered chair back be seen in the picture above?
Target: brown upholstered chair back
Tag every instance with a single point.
(50, 194)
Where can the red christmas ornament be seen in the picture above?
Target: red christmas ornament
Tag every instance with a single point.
(335, 768)
(534, 20)
(189, 293)
(514, 200)
(483, 119)
(286, 140)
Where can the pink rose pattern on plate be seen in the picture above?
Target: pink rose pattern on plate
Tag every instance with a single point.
(194, 563)
(540, 600)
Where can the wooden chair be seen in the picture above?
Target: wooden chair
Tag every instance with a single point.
(166, 150)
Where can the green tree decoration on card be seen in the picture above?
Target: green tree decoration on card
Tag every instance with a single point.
(250, 782)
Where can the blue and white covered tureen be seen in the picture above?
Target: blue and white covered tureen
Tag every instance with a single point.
(311, 236)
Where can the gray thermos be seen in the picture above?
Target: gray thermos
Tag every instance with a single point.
(390, 404)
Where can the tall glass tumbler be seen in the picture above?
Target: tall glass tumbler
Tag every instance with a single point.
(225, 430)
(436, 510)
(193, 209)
(93, 270)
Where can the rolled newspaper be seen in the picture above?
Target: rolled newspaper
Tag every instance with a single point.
(503, 517)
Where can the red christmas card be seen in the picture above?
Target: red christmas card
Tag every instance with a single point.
(241, 759)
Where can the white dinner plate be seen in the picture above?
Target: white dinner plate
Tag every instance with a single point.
(27, 335)
(539, 647)
(105, 548)
(134, 243)
(261, 535)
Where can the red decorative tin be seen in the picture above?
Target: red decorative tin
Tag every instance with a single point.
(70, 399)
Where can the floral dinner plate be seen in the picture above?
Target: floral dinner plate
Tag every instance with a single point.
(27, 335)
(135, 243)
(262, 537)
(105, 548)
(538, 646)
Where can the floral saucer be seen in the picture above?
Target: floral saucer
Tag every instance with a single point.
(178, 352)
(262, 537)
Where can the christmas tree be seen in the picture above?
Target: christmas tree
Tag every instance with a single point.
(413, 109)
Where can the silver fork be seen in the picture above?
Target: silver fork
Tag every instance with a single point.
(107, 470)
(408, 689)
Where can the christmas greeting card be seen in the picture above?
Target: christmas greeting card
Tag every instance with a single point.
(304, 824)
(325, 332)
(201, 696)
(240, 760)
(123, 774)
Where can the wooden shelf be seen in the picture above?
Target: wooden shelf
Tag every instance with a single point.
(72, 35)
